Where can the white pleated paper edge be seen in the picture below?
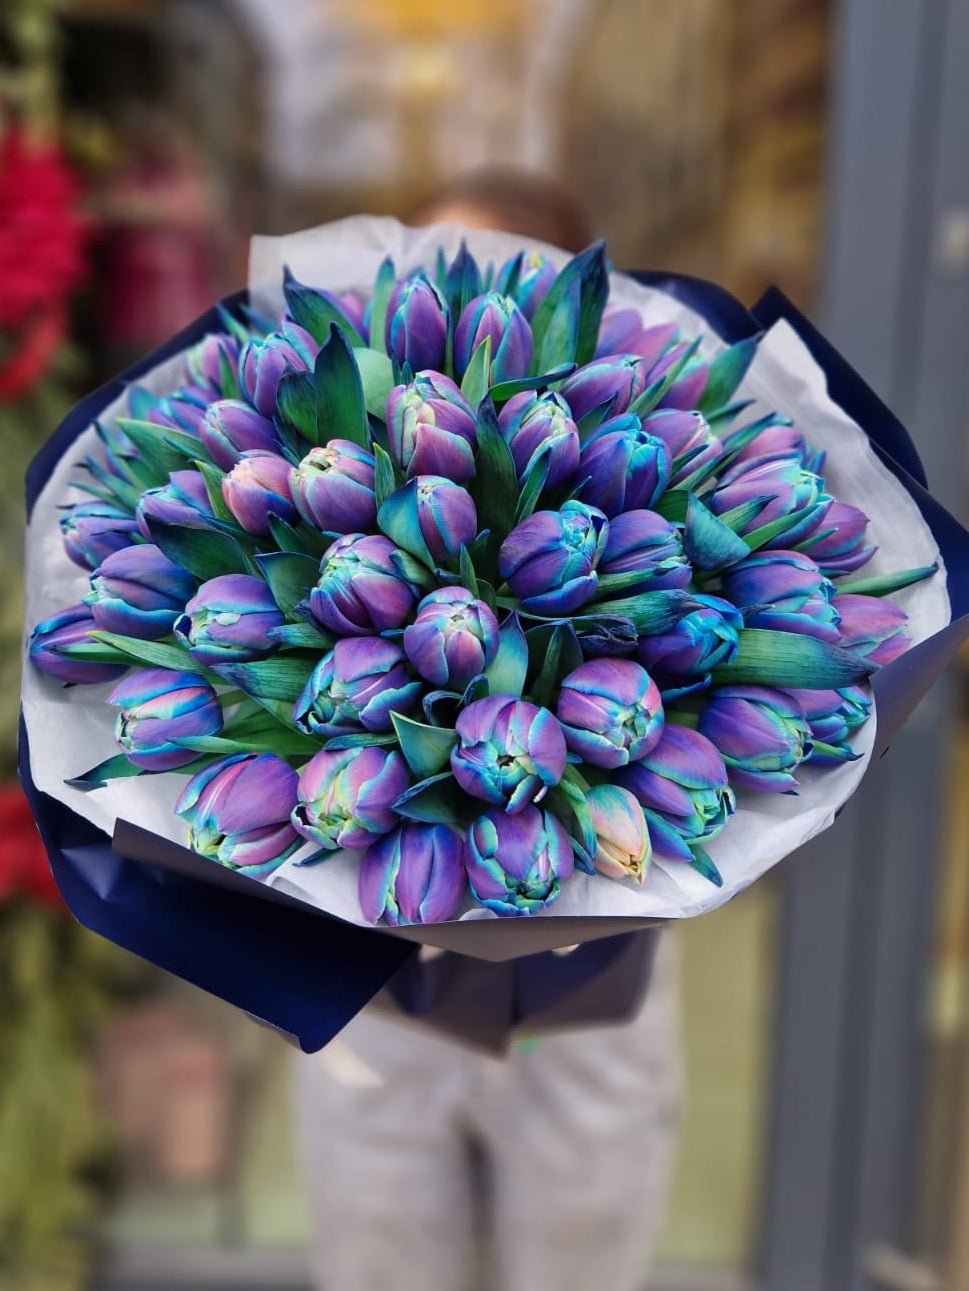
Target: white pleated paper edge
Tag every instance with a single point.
(71, 729)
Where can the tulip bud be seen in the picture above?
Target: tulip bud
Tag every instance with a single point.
(687, 390)
(71, 627)
(231, 428)
(453, 638)
(682, 787)
(183, 502)
(610, 711)
(643, 542)
(138, 592)
(258, 488)
(612, 382)
(207, 359)
(346, 797)
(238, 812)
(535, 276)
(832, 717)
(432, 428)
(549, 560)
(444, 511)
(761, 735)
(361, 589)
(417, 324)
(837, 542)
(622, 332)
(356, 686)
(184, 409)
(537, 426)
(682, 659)
(871, 626)
(333, 488)
(779, 442)
(160, 708)
(624, 467)
(691, 442)
(230, 619)
(509, 752)
(413, 875)
(792, 490)
(783, 591)
(265, 360)
(498, 317)
(93, 530)
(516, 864)
(623, 848)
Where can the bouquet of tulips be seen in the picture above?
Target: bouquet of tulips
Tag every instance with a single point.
(449, 586)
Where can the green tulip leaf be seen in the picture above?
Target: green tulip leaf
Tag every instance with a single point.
(157, 654)
(725, 374)
(477, 375)
(782, 659)
(340, 408)
(115, 768)
(426, 749)
(290, 577)
(377, 375)
(707, 541)
(884, 584)
(590, 270)
(296, 403)
(383, 288)
(653, 394)
(280, 678)
(206, 553)
(436, 800)
(314, 312)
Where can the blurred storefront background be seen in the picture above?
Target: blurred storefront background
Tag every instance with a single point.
(808, 144)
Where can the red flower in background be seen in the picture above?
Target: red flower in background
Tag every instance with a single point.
(41, 256)
(24, 870)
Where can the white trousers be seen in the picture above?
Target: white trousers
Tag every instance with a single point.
(577, 1133)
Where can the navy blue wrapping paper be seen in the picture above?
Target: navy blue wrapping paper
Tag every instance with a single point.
(306, 973)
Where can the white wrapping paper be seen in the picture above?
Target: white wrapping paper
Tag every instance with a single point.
(70, 730)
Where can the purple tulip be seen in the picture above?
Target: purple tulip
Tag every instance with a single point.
(535, 276)
(682, 787)
(837, 542)
(642, 542)
(691, 442)
(356, 686)
(498, 317)
(783, 591)
(761, 735)
(549, 560)
(623, 848)
(361, 589)
(540, 426)
(182, 502)
(453, 638)
(346, 797)
(687, 390)
(832, 717)
(612, 382)
(230, 619)
(624, 468)
(516, 864)
(265, 360)
(432, 428)
(138, 592)
(682, 659)
(792, 492)
(413, 875)
(72, 627)
(93, 530)
(231, 428)
(417, 324)
(258, 488)
(238, 812)
(333, 488)
(778, 442)
(159, 709)
(444, 513)
(872, 626)
(611, 712)
(207, 359)
(622, 332)
(184, 409)
(509, 752)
